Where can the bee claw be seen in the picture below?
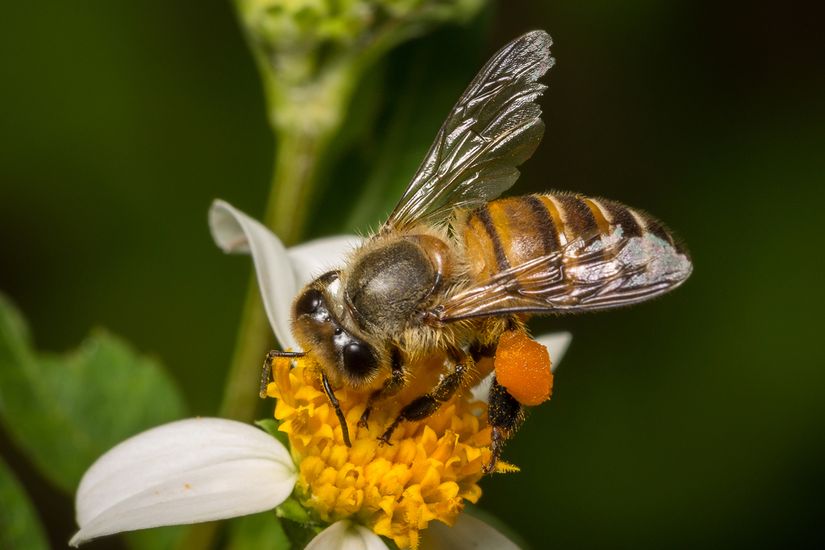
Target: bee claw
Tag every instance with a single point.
(385, 437)
(490, 467)
(364, 421)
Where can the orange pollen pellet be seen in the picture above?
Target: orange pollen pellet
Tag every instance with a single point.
(523, 367)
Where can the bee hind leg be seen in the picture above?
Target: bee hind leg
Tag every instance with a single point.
(505, 415)
(422, 407)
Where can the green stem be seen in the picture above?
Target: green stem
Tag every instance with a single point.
(294, 179)
(240, 397)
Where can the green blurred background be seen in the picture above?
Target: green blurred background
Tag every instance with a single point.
(693, 420)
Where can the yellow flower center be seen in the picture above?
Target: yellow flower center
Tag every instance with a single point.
(429, 470)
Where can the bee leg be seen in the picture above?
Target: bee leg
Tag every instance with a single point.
(266, 373)
(337, 406)
(392, 386)
(505, 415)
(266, 370)
(427, 404)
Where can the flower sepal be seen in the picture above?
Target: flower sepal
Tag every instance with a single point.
(270, 426)
(298, 523)
(293, 510)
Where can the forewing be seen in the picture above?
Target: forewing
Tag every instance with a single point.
(589, 274)
(494, 127)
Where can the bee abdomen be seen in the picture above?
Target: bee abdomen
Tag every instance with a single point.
(506, 233)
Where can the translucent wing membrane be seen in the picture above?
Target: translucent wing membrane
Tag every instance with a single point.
(494, 127)
(593, 273)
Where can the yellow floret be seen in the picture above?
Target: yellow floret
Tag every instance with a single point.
(429, 471)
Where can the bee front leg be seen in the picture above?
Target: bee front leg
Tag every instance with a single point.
(337, 407)
(392, 386)
(505, 415)
(427, 404)
(266, 370)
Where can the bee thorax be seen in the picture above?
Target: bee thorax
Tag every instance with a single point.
(388, 284)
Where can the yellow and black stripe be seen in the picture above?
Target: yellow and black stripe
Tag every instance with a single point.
(592, 254)
(506, 233)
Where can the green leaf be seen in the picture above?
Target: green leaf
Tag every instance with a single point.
(257, 532)
(64, 411)
(19, 525)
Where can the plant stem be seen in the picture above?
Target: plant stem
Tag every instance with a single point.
(299, 155)
(240, 398)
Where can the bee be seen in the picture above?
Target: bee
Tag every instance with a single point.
(454, 268)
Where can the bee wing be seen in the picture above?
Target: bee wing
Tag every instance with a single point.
(494, 127)
(589, 274)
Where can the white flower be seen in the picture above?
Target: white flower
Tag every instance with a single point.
(206, 469)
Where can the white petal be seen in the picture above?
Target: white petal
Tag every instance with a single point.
(557, 344)
(309, 260)
(235, 232)
(468, 532)
(194, 470)
(345, 535)
(481, 391)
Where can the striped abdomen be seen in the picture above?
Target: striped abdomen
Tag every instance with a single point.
(596, 253)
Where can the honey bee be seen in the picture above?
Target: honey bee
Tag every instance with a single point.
(454, 268)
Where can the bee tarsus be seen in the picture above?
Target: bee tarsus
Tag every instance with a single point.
(266, 370)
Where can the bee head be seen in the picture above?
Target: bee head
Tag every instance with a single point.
(317, 324)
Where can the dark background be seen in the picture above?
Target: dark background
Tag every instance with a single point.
(693, 420)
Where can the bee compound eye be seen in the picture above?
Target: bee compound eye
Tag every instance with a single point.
(359, 359)
(309, 302)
